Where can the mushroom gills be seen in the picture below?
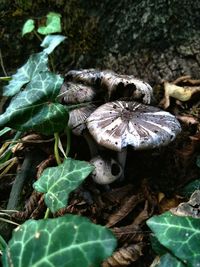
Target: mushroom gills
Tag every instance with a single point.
(106, 170)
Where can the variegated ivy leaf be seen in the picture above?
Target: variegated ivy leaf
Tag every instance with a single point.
(35, 108)
(179, 234)
(168, 260)
(35, 64)
(29, 26)
(58, 182)
(50, 42)
(53, 24)
(66, 241)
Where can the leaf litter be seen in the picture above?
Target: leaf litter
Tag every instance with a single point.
(152, 185)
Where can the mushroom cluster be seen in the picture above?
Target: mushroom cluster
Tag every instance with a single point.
(123, 117)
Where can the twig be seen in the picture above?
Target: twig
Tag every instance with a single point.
(2, 65)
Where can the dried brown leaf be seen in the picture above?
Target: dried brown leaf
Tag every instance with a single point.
(186, 153)
(190, 208)
(167, 203)
(45, 164)
(177, 92)
(128, 234)
(118, 194)
(124, 256)
(186, 80)
(126, 207)
(187, 119)
(142, 216)
(31, 205)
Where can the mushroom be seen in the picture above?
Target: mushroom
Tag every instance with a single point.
(106, 170)
(73, 93)
(77, 123)
(117, 124)
(115, 85)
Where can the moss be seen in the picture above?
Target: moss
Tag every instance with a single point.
(80, 28)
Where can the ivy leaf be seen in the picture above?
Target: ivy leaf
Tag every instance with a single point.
(4, 131)
(180, 235)
(35, 64)
(53, 24)
(169, 260)
(29, 26)
(187, 190)
(35, 107)
(50, 42)
(58, 182)
(65, 242)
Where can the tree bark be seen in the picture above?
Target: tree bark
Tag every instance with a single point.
(151, 39)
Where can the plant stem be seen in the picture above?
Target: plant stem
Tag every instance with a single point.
(27, 172)
(2, 65)
(3, 243)
(68, 141)
(46, 216)
(56, 152)
(37, 35)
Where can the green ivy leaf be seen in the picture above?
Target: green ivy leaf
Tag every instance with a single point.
(50, 42)
(4, 131)
(58, 182)
(29, 26)
(53, 24)
(156, 246)
(187, 190)
(168, 260)
(35, 64)
(181, 235)
(35, 107)
(65, 242)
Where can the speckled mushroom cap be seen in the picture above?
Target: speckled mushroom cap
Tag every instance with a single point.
(118, 124)
(113, 82)
(76, 93)
(77, 118)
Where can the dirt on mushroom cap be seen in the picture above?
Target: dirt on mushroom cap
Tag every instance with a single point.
(118, 124)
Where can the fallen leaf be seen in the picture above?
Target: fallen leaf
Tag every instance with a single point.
(190, 208)
(126, 207)
(124, 256)
(178, 92)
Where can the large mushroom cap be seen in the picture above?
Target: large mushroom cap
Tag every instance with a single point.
(118, 124)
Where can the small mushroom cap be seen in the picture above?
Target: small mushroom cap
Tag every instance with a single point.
(106, 170)
(118, 124)
(76, 93)
(85, 76)
(77, 118)
(121, 84)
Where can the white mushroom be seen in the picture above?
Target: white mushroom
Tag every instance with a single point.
(114, 84)
(106, 170)
(117, 124)
(73, 93)
(77, 123)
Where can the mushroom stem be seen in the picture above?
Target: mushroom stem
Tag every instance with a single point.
(121, 156)
(91, 144)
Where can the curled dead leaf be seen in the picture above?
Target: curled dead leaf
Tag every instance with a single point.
(124, 256)
(126, 207)
(181, 93)
(190, 208)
